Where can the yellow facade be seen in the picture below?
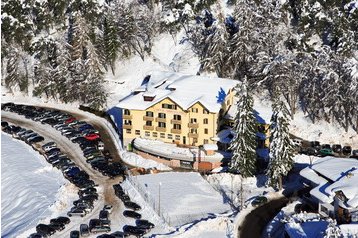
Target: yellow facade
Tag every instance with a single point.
(168, 122)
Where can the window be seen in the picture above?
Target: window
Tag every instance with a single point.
(161, 124)
(205, 111)
(192, 120)
(127, 112)
(195, 140)
(169, 106)
(148, 123)
(170, 136)
(161, 115)
(137, 132)
(162, 135)
(206, 131)
(194, 110)
(149, 114)
(127, 122)
(194, 131)
(206, 121)
(147, 133)
(177, 137)
(177, 117)
(155, 134)
(128, 131)
(177, 126)
(206, 141)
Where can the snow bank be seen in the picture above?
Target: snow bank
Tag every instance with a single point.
(26, 199)
(179, 197)
(138, 161)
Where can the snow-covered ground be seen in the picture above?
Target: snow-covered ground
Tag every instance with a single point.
(179, 197)
(31, 189)
(138, 161)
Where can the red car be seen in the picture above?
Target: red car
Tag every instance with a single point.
(69, 120)
(92, 136)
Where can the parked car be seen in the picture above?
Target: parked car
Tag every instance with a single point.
(119, 234)
(57, 226)
(75, 234)
(315, 144)
(35, 235)
(326, 146)
(132, 205)
(135, 231)
(103, 215)
(337, 148)
(347, 150)
(132, 214)
(92, 137)
(49, 144)
(35, 139)
(354, 154)
(85, 206)
(108, 208)
(96, 225)
(45, 230)
(77, 212)
(259, 200)
(61, 220)
(325, 152)
(142, 222)
(84, 230)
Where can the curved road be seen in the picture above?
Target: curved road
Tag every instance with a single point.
(105, 190)
(257, 219)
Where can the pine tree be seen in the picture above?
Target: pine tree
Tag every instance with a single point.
(281, 147)
(332, 231)
(244, 142)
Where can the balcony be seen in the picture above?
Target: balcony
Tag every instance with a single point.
(148, 128)
(162, 129)
(146, 118)
(192, 135)
(127, 116)
(158, 119)
(193, 125)
(173, 121)
(127, 126)
(175, 131)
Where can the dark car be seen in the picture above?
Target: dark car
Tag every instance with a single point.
(315, 144)
(337, 148)
(132, 214)
(103, 215)
(75, 234)
(325, 152)
(4, 123)
(124, 198)
(132, 205)
(142, 222)
(35, 235)
(84, 230)
(45, 230)
(60, 220)
(135, 231)
(106, 236)
(119, 234)
(35, 139)
(81, 201)
(57, 226)
(347, 150)
(96, 225)
(326, 146)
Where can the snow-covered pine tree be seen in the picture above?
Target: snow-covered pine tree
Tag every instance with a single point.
(244, 142)
(332, 231)
(281, 147)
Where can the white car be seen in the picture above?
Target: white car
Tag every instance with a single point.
(108, 208)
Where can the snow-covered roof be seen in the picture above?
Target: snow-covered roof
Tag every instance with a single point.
(306, 229)
(343, 174)
(185, 90)
(210, 147)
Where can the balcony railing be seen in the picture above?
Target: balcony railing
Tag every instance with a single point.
(193, 125)
(162, 129)
(158, 119)
(173, 121)
(193, 135)
(127, 116)
(127, 126)
(150, 128)
(175, 131)
(146, 118)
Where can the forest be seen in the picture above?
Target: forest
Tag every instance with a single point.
(303, 50)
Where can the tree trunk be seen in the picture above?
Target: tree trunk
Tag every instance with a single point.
(280, 183)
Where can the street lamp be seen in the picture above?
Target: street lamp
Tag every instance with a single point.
(160, 184)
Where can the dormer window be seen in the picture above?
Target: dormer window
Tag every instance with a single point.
(127, 112)
(148, 98)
